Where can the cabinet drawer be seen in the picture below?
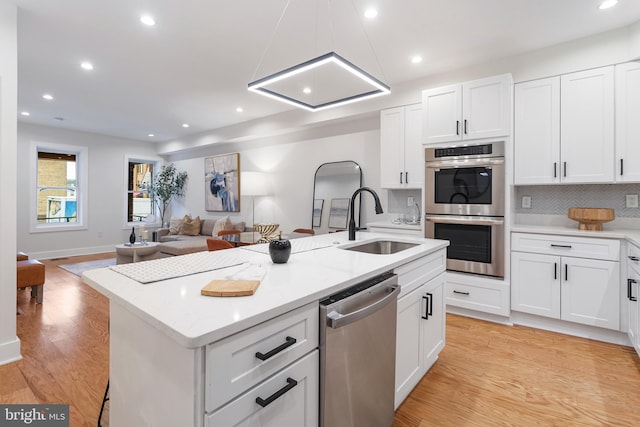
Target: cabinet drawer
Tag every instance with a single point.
(582, 247)
(233, 366)
(296, 406)
(492, 299)
(420, 271)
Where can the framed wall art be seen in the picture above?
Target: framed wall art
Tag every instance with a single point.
(222, 183)
(338, 213)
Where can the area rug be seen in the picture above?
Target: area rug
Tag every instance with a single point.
(80, 267)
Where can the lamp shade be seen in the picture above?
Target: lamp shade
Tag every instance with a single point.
(255, 184)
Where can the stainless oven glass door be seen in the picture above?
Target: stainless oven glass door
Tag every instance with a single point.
(476, 244)
(465, 187)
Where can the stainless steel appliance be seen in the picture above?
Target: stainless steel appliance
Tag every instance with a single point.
(357, 354)
(464, 204)
(465, 180)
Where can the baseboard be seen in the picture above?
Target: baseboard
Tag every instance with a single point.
(10, 351)
(62, 253)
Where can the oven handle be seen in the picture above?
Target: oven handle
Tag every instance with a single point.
(465, 163)
(475, 220)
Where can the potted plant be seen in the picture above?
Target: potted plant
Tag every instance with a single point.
(166, 185)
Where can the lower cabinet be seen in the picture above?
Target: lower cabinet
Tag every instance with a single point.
(420, 334)
(584, 290)
(633, 286)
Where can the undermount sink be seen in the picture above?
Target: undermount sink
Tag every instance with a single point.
(381, 247)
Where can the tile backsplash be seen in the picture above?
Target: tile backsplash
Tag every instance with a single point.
(557, 199)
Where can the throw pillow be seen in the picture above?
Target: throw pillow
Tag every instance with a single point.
(190, 227)
(175, 226)
(221, 224)
(239, 226)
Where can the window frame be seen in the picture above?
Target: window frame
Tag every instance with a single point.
(157, 164)
(81, 188)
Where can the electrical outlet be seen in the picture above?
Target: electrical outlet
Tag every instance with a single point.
(632, 200)
(410, 201)
(526, 202)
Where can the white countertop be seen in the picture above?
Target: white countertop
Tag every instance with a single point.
(176, 307)
(609, 232)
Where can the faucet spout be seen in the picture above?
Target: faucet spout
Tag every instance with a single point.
(352, 220)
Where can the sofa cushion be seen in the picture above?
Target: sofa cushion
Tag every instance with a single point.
(190, 226)
(183, 247)
(207, 227)
(175, 226)
(222, 224)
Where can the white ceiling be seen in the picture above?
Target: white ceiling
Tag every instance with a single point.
(193, 66)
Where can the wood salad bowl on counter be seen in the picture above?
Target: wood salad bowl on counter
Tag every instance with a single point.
(591, 218)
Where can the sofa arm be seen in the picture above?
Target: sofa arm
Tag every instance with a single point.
(161, 232)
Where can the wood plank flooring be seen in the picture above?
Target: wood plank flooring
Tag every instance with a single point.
(487, 375)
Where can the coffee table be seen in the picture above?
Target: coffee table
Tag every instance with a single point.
(126, 253)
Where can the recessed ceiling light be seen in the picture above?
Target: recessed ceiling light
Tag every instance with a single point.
(47, 96)
(239, 110)
(185, 125)
(370, 13)
(86, 65)
(150, 134)
(307, 90)
(416, 59)
(148, 20)
(25, 113)
(606, 4)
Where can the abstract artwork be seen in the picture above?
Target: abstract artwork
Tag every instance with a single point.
(317, 212)
(338, 213)
(222, 183)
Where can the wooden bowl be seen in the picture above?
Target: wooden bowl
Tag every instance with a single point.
(591, 218)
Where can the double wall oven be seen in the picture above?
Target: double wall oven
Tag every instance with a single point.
(464, 204)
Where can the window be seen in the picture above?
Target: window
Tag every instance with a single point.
(139, 173)
(60, 187)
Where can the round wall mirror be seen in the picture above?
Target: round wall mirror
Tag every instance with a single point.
(333, 186)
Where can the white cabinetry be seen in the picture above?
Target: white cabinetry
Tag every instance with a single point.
(569, 278)
(564, 129)
(633, 286)
(401, 158)
(421, 321)
(471, 110)
(627, 122)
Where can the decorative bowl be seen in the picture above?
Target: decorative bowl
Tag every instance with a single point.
(591, 218)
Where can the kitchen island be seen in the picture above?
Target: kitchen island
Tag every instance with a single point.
(174, 353)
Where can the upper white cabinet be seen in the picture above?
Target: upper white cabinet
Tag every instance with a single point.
(628, 122)
(471, 110)
(564, 129)
(401, 158)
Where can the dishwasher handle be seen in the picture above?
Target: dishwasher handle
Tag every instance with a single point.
(337, 320)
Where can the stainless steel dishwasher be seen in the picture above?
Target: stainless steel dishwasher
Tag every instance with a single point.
(357, 354)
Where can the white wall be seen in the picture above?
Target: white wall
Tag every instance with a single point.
(291, 167)
(9, 343)
(106, 216)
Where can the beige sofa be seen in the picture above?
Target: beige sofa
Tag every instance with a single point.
(173, 242)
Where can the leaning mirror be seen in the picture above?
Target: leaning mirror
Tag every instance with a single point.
(333, 186)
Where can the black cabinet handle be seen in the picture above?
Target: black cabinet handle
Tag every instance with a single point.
(289, 342)
(400, 177)
(555, 169)
(566, 272)
(457, 127)
(461, 293)
(425, 316)
(291, 383)
(465, 126)
(553, 245)
(629, 296)
(565, 169)
(633, 258)
(621, 167)
(555, 271)
(430, 303)
(406, 177)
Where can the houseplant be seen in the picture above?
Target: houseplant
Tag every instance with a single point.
(166, 185)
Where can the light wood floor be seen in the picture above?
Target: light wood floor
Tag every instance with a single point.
(487, 375)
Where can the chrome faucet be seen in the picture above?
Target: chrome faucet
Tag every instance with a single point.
(352, 220)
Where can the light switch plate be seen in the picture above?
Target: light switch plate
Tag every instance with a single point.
(526, 202)
(632, 200)
(410, 201)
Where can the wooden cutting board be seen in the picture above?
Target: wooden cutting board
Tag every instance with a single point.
(230, 288)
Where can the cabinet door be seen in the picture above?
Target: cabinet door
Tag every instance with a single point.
(590, 292)
(587, 126)
(413, 151)
(627, 122)
(486, 107)
(433, 321)
(535, 284)
(632, 304)
(537, 132)
(408, 346)
(441, 115)
(392, 148)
